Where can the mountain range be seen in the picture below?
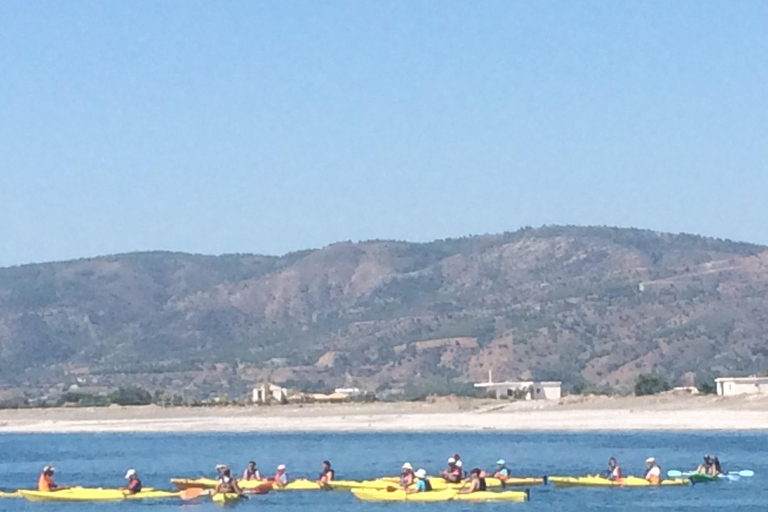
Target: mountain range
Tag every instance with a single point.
(591, 306)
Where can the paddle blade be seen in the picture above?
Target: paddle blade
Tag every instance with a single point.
(191, 494)
(674, 473)
(746, 473)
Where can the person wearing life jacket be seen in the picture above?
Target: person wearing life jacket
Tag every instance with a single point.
(406, 476)
(45, 481)
(134, 484)
(501, 472)
(281, 477)
(251, 472)
(652, 471)
(614, 471)
(422, 483)
(476, 482)
(226, 484)
(453, 472)
(326, 474)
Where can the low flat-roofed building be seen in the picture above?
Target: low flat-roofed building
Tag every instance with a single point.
(526, 390)
(729, 386)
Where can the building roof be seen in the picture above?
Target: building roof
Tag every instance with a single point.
(745, 380)
(517, 383)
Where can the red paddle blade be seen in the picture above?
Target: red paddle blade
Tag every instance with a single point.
(191, 493)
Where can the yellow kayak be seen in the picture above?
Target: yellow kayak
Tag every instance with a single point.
(14, 494)
(226, 497)
(447, 495)
(300, 485)
(253, 486)
(91, 494)
(597, 481)
(438, 483)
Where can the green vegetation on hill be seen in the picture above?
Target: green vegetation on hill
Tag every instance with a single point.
(595, 307)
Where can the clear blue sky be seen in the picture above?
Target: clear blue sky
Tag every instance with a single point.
(272, 126)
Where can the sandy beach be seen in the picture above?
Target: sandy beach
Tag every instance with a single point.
(668, 413)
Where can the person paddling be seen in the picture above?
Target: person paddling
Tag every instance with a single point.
(134, 484)
(406, 476)
(653, 471)
(226, 484)
(614, 471)
(705, 466)
(452, 473)
(422, 483)
(476, 482)
(45, 481)
(281, 477)
(501, 472)
(251, 472)
(326, 474)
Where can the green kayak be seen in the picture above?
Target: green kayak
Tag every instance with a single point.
(703, 478)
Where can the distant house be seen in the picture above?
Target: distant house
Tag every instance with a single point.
(267, 393)
(729, 386)
(525, 390)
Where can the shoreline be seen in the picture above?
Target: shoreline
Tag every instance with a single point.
(673, 413)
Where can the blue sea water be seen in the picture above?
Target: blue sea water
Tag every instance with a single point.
(102, 459)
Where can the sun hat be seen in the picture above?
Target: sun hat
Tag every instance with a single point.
(281, 467)
(130, 473)
(451, 460)
(501, 462)
(650, 459)
(422, 473)
(407, 465)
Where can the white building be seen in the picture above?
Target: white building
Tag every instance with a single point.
(267, 393)
(729, 386)
(527, 390)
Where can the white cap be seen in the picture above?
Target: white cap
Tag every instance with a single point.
(221, 466)
(48, 468)
(451, 460)
(130, 473)
(407, 465)
(501, 462)
(459, 463)
(281, 467)
(650, 459)
(422, 473)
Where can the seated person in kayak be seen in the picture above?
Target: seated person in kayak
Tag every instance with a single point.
(614, 471)
(652, 471)
(251, 472)
(326, 474)
(134, 484)
(502, 473)
(476, 482)
(717, 469)
(406, 476)
(452, 473)
(705, 466)
(281, 477)
(226, 484)
(422, 483)
(45, 481)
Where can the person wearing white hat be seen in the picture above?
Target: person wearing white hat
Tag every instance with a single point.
(406, 476)
(453, 472)
(422, 483)
(45, 481)
(652, 471)
(502, 473)
(134, 484)
(281, 477)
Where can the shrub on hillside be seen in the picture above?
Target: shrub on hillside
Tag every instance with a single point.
(650, 384)
(131, 395)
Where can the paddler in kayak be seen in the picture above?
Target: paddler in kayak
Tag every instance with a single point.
(452, 473)
(501, 472)
(134, 484)
(476, 482)
(251, 472)
(705, 466)
(422, 483)
(614, 471)
(326, 474)
(45, 481)
(652, 471)
(226, 484)
(281, 477)
(406, 476)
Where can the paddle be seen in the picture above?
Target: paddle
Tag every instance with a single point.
(193, 493)
(744, 472)
(676, 473)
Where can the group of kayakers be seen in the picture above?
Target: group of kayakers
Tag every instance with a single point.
(710, 466)
(227, 484)
(417, 481)
(45, 482)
